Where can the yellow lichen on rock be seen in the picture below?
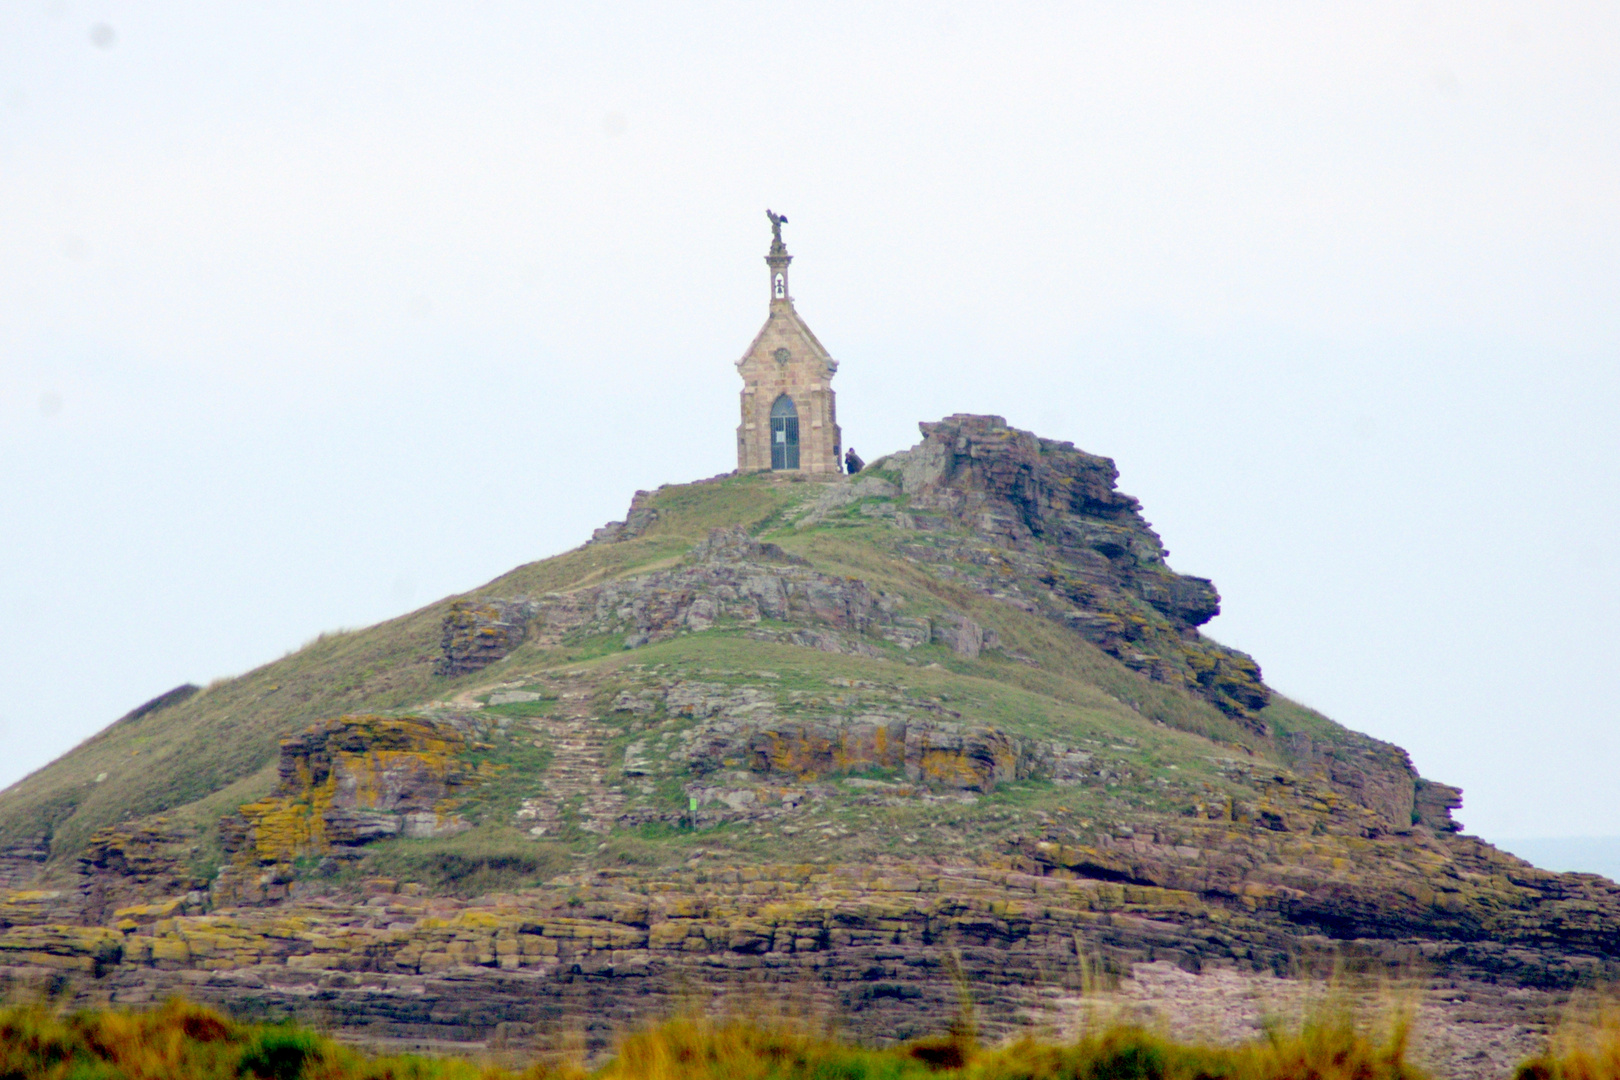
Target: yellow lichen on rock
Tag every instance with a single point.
(347, 781)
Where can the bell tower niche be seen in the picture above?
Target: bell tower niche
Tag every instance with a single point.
(778, 260)
(789, 414)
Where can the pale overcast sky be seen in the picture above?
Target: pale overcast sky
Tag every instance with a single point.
(311, 313)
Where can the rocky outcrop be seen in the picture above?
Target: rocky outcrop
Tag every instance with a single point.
(140, 863)
(1012, 483)
(961, 635)
(939, 756)
(639, 519)
(342, 784)
(37, 907)
(1298, 856)
(751, 754)
(1433, 803)
(479, 632)
(730, 580)
(597, 952)
(1070, 546)
(22, 859)
(1375, 774)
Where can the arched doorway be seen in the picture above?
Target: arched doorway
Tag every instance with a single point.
(784, 434)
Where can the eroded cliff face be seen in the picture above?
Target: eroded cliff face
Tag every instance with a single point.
(1061, 538)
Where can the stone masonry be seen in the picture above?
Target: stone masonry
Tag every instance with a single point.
(787, 360)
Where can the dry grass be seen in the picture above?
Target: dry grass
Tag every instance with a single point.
(185, 1040)
(1586, 1046)
(182, 1041)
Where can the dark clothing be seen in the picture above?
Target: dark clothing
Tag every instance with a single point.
(852, 462)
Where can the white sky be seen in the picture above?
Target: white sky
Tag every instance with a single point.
(313, 313)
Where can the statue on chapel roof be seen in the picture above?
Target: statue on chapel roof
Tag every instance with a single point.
(777, 221)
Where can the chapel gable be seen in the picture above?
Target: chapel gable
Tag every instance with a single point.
(789, 416)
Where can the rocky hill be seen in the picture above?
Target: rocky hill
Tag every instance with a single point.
(857, 743)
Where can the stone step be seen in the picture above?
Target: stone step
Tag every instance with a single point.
(574, 785)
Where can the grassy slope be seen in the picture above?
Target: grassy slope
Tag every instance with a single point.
(219, 748)
(199, 759)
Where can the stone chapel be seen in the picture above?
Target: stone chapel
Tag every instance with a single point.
(789, 421)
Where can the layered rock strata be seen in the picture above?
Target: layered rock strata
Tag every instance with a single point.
(1049, 531)
(342, 784)
(729, 579)
(880, 947)
(478, 633)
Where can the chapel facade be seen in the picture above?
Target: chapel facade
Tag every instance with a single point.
(789, 417)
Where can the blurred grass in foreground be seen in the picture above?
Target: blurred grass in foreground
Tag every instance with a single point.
(1586, 1046)
(182, 1040)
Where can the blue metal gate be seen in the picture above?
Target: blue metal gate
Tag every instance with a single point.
(784, 434)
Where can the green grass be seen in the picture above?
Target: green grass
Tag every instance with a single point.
(512, 759)
(1063, 664)
(487, 859)
(199, 759)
